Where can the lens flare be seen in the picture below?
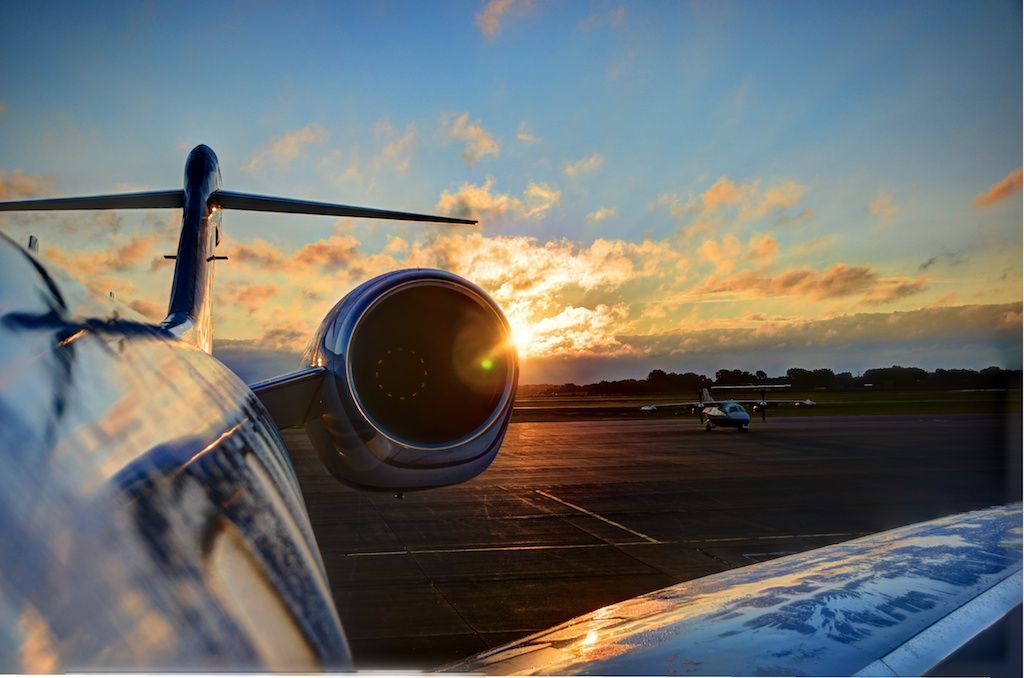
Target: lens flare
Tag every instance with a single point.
(521, 337)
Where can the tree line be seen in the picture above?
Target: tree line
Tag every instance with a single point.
(881, 378)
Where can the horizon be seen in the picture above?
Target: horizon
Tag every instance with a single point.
(659, 186)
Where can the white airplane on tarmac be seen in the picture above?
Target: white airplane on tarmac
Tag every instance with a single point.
(728, 413)
(150, 517)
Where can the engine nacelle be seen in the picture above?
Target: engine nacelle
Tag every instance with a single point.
(421, 375)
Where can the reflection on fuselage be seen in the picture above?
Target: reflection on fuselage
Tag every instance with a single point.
(128, 454)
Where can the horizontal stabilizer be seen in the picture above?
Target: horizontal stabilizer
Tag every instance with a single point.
(264, 203)
(119, 201)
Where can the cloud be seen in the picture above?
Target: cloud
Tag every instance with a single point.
(950, 258)
(621, 66)
(479, 142)
(724, 255)
(896, 290)
(489, 19)
(3, 107)
(18, 186)
(472, 201)
(839, 280)
(122, 257)
(397, 150)
(250, 297)
(583, 166)
(150, 310)
(601, 214)
(951, 324)
(281, 150)
(524, 135)
(610, 19)
(258, 252)
(722, 192)
(1006, 187)
(728, 199)
(806, 214)
(884, 208)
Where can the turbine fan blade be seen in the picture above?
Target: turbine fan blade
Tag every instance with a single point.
(264, 203)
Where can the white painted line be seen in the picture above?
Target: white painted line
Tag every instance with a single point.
(485, 549)
(774, 537)
(594, 515)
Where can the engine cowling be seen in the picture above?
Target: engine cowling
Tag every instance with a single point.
(421, 376)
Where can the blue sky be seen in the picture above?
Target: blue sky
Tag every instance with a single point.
(793, 137)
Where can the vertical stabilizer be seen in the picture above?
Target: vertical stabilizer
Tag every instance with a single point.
(190, 310)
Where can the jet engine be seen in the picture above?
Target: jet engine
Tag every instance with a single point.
(421, 375)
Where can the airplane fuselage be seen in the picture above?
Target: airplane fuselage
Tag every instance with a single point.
(726, 414)
(147, 494)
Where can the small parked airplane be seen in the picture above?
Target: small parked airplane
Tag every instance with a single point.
(150, 518)
(728, 413)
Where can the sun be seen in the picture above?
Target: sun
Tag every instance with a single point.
(521, 336)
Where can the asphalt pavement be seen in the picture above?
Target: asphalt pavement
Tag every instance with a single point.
(580, 514)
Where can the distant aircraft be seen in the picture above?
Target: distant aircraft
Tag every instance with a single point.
(150, 518)
(728, 413)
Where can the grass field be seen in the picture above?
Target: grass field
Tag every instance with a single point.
(828, 403)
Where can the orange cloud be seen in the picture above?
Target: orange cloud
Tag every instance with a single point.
(729, 252)
(151, 310)
(728, 199)
(884, 208)
(249, 297)
(281, 150)
(1009, 186)
(722, 192)
(583, 166)
(18, 186)
(839, 280)
(122, 257)
(479, 142)
(479, 202)
(601, 214)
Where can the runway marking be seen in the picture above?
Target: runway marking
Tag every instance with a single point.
(776, 537)
(484, 549)
(557, 547)
(650, 540)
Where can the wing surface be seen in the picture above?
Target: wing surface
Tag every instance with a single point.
(294, 398)
(893, 603)
(668, 406)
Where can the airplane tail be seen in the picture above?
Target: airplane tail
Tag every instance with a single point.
(705, 395)
(189, 311)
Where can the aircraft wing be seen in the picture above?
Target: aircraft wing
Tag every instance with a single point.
(668, 406)
(294, 398)
(893, 603)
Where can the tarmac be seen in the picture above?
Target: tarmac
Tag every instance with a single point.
(574, 515)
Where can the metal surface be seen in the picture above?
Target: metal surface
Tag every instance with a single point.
(832, 611)
(294, 398)
(364, 453)
(150, 518)
(266, 203)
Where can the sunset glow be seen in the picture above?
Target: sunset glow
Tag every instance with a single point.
(686, 187)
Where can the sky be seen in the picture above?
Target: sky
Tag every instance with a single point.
(678, 186)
